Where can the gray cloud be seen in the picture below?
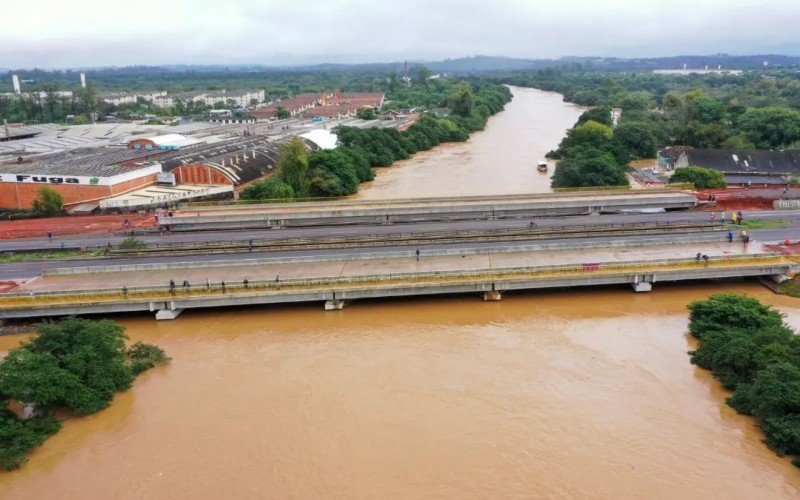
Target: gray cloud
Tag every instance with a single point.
(117, 32)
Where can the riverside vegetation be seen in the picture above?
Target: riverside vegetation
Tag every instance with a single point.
(338, 172)
(72, 366)
(753, 353)
(755, 110)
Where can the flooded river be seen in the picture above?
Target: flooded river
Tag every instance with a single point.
(445, 398)
(498, 160)
(582, 394)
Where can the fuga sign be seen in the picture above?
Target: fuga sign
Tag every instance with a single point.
(49, 179)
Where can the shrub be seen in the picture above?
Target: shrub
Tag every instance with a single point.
(702, 178)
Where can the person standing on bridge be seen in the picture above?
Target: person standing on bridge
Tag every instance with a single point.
(417, 254)
(730, 236)
(250, 245)
(172, 287)
(733, 217)
(722, 217)
(208, 284)
(49, 236)
(713, 216)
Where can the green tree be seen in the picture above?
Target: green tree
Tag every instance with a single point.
(270, 188)
(281, 113)
(590, 167)
(423, 73)
(636, 138)
(771, 127)
(292, 166)
(48, 201)
(702, 178)
(462, 101)
(366, 113)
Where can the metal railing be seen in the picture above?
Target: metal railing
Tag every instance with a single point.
(375, 281)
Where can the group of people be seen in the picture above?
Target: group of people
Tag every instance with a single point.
(187, 286)
(736, 217)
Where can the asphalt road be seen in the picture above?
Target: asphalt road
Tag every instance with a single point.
(97, 241)
(27, 270)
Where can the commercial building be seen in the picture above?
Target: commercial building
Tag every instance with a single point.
(80, 176)
(329, 105)
(738, 166)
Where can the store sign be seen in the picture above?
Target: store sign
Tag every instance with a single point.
(49, 179)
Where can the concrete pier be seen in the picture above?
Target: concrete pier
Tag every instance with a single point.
(162, 314)
(492, 295)
(334, 305)
(642, 286)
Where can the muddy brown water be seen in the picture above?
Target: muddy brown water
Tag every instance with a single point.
(501, 159)
(572, 394)
(583, 394)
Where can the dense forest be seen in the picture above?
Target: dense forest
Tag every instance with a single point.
(753, 110)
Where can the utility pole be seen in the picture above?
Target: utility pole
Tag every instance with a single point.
(5, 126)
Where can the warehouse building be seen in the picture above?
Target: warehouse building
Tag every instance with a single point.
(80, 176)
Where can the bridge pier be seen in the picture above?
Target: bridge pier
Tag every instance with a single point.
(334, 305)
(492, 295)
(168, 313)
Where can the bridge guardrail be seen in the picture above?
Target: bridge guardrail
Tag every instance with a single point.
(199, 290)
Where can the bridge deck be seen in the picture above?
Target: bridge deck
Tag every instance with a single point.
(334, 267)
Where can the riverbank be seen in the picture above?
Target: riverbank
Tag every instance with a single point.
(501, 159)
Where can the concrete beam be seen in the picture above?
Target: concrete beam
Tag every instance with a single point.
(492, 295)
(642, 286)
(168, 313)
(334, 305)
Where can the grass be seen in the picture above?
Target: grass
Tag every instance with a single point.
(25, 256)
(763, 224)
(790, 288)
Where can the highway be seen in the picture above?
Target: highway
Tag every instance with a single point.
(102, 240)
(30, 269)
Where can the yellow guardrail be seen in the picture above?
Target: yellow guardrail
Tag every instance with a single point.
(342, 283)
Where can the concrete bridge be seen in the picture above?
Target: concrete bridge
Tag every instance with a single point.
(106, 296)
(425, 209)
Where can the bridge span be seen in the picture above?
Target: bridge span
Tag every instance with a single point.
(334, 281)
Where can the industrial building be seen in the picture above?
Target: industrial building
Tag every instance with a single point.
(754, 167)
(144, 172)
(329, 105)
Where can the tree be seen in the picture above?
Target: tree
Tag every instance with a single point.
(702, 178)
(366, 113)
(461, 101)
(292, 166)
(600, 114)
(281, 113)
(771, 127)
(270, 188)
(590, 167)
(48, 201)
(636, 138)
(77, 364)
(423, 73)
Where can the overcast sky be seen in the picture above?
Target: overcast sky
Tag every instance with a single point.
(69, 33)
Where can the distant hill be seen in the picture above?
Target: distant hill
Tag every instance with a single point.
(462, 65)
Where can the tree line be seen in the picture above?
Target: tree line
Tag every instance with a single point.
(755, 354)
(755, 110)
(338, 172)
(75, 364)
